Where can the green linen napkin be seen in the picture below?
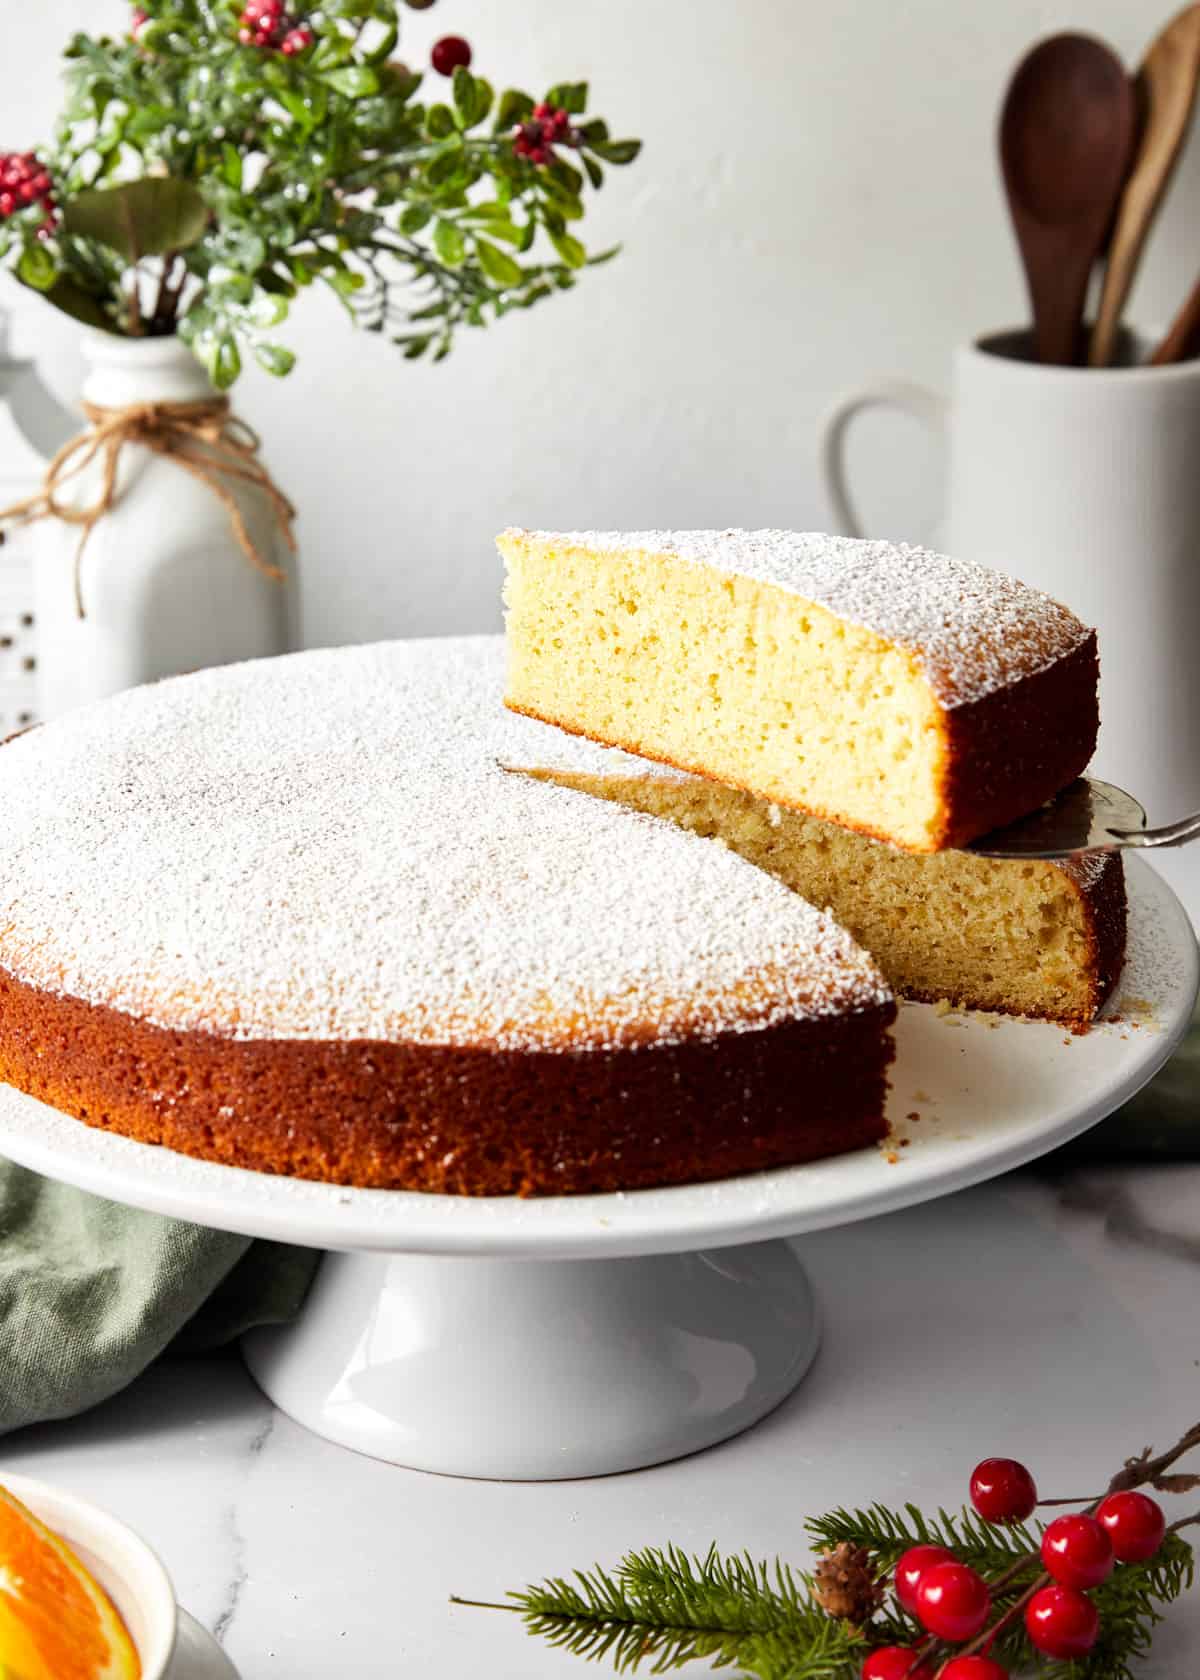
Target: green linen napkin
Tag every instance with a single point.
(91, 1293)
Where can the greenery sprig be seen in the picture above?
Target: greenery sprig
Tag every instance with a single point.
(197, 184)
(663, 1608)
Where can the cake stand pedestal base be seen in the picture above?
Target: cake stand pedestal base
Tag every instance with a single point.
(530, 1370)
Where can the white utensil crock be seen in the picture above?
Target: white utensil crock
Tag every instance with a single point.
(1085, 483)
(165, 585)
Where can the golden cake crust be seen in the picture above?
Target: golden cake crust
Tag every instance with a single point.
(454, 1119)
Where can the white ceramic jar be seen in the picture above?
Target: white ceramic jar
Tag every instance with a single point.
(165, 584)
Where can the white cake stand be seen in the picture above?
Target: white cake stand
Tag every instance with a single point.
(576, 1336)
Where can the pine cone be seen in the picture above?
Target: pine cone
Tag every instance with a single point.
(844, 1584)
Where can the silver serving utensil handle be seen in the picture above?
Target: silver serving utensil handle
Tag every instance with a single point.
(1088, 816)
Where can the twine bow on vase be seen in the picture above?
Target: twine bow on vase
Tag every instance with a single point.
(204, 438)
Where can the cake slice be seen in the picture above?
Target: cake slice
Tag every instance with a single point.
(895, 691)
(1023, 937)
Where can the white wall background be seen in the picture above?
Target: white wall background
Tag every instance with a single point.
(818, 201)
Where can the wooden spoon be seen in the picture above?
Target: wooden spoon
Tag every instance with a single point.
(1166, 92)
(1066, 138)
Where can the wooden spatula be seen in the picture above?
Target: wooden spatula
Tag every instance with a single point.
(1165, 86)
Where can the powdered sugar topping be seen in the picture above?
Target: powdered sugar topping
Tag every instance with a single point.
(327, 846)
(972, 630)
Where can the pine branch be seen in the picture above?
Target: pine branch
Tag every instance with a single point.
(663, 1608)
(886, 1534)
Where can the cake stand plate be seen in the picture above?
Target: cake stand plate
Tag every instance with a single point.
(582, 1335)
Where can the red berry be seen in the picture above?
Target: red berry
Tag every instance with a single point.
(450, 52)
(896, 1662)
(1062, 1622)
(1003, 1491)
(138, 22)
(1134, 1524)
(973, 1668)
(297, 41)
(952, 1600)
(911, 1565)
(1077, 1551)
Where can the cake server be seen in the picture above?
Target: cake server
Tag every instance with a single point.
(1088, 816)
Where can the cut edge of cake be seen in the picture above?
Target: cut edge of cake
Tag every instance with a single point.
(897, 692)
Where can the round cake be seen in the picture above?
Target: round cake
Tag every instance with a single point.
(298, 916)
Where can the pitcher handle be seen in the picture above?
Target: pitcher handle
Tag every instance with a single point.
(923, 404)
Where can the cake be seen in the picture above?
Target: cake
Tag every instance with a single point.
(1022, 937)
(897, 692)
(296, 916)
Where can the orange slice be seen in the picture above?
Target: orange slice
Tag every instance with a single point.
(56, 1623)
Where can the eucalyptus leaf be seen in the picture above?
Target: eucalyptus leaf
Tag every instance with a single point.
(140, 218)
(224, 362)
(275, 359)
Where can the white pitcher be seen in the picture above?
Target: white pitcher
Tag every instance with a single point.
(165, 585)
(1086, 483)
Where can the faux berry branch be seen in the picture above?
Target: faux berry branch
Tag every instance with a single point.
(223, 155)
(896, 1595)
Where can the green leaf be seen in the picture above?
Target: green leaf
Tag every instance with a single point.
(415, 217)
(275, 359)
(571, 96)
(231, 165)
(224, 362)
(449, 243)
(141, 218)
(386, 46)
(37, 268)
(594, 172)
(445, 167)
(80, 305)
(617, 151)
(569, 249)
(439, 122)
(355, 81)
(515, 107)
(464, 94)
(497, 264)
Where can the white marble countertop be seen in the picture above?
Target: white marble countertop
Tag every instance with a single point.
(1057, 1321)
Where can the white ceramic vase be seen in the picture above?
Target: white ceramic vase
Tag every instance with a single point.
(165, 585)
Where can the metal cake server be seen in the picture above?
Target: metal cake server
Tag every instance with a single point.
(1088, 816)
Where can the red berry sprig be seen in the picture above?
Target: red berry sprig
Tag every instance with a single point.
(1003, 1491)
(973, 1668)
(449, 54)
(1077, 1551)
(268, 25)
(911, 1566)
(1062, 1621)
(25, 181)
(896, 1662)
(953, 1603)
(549, 126)
(1134, 1523)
